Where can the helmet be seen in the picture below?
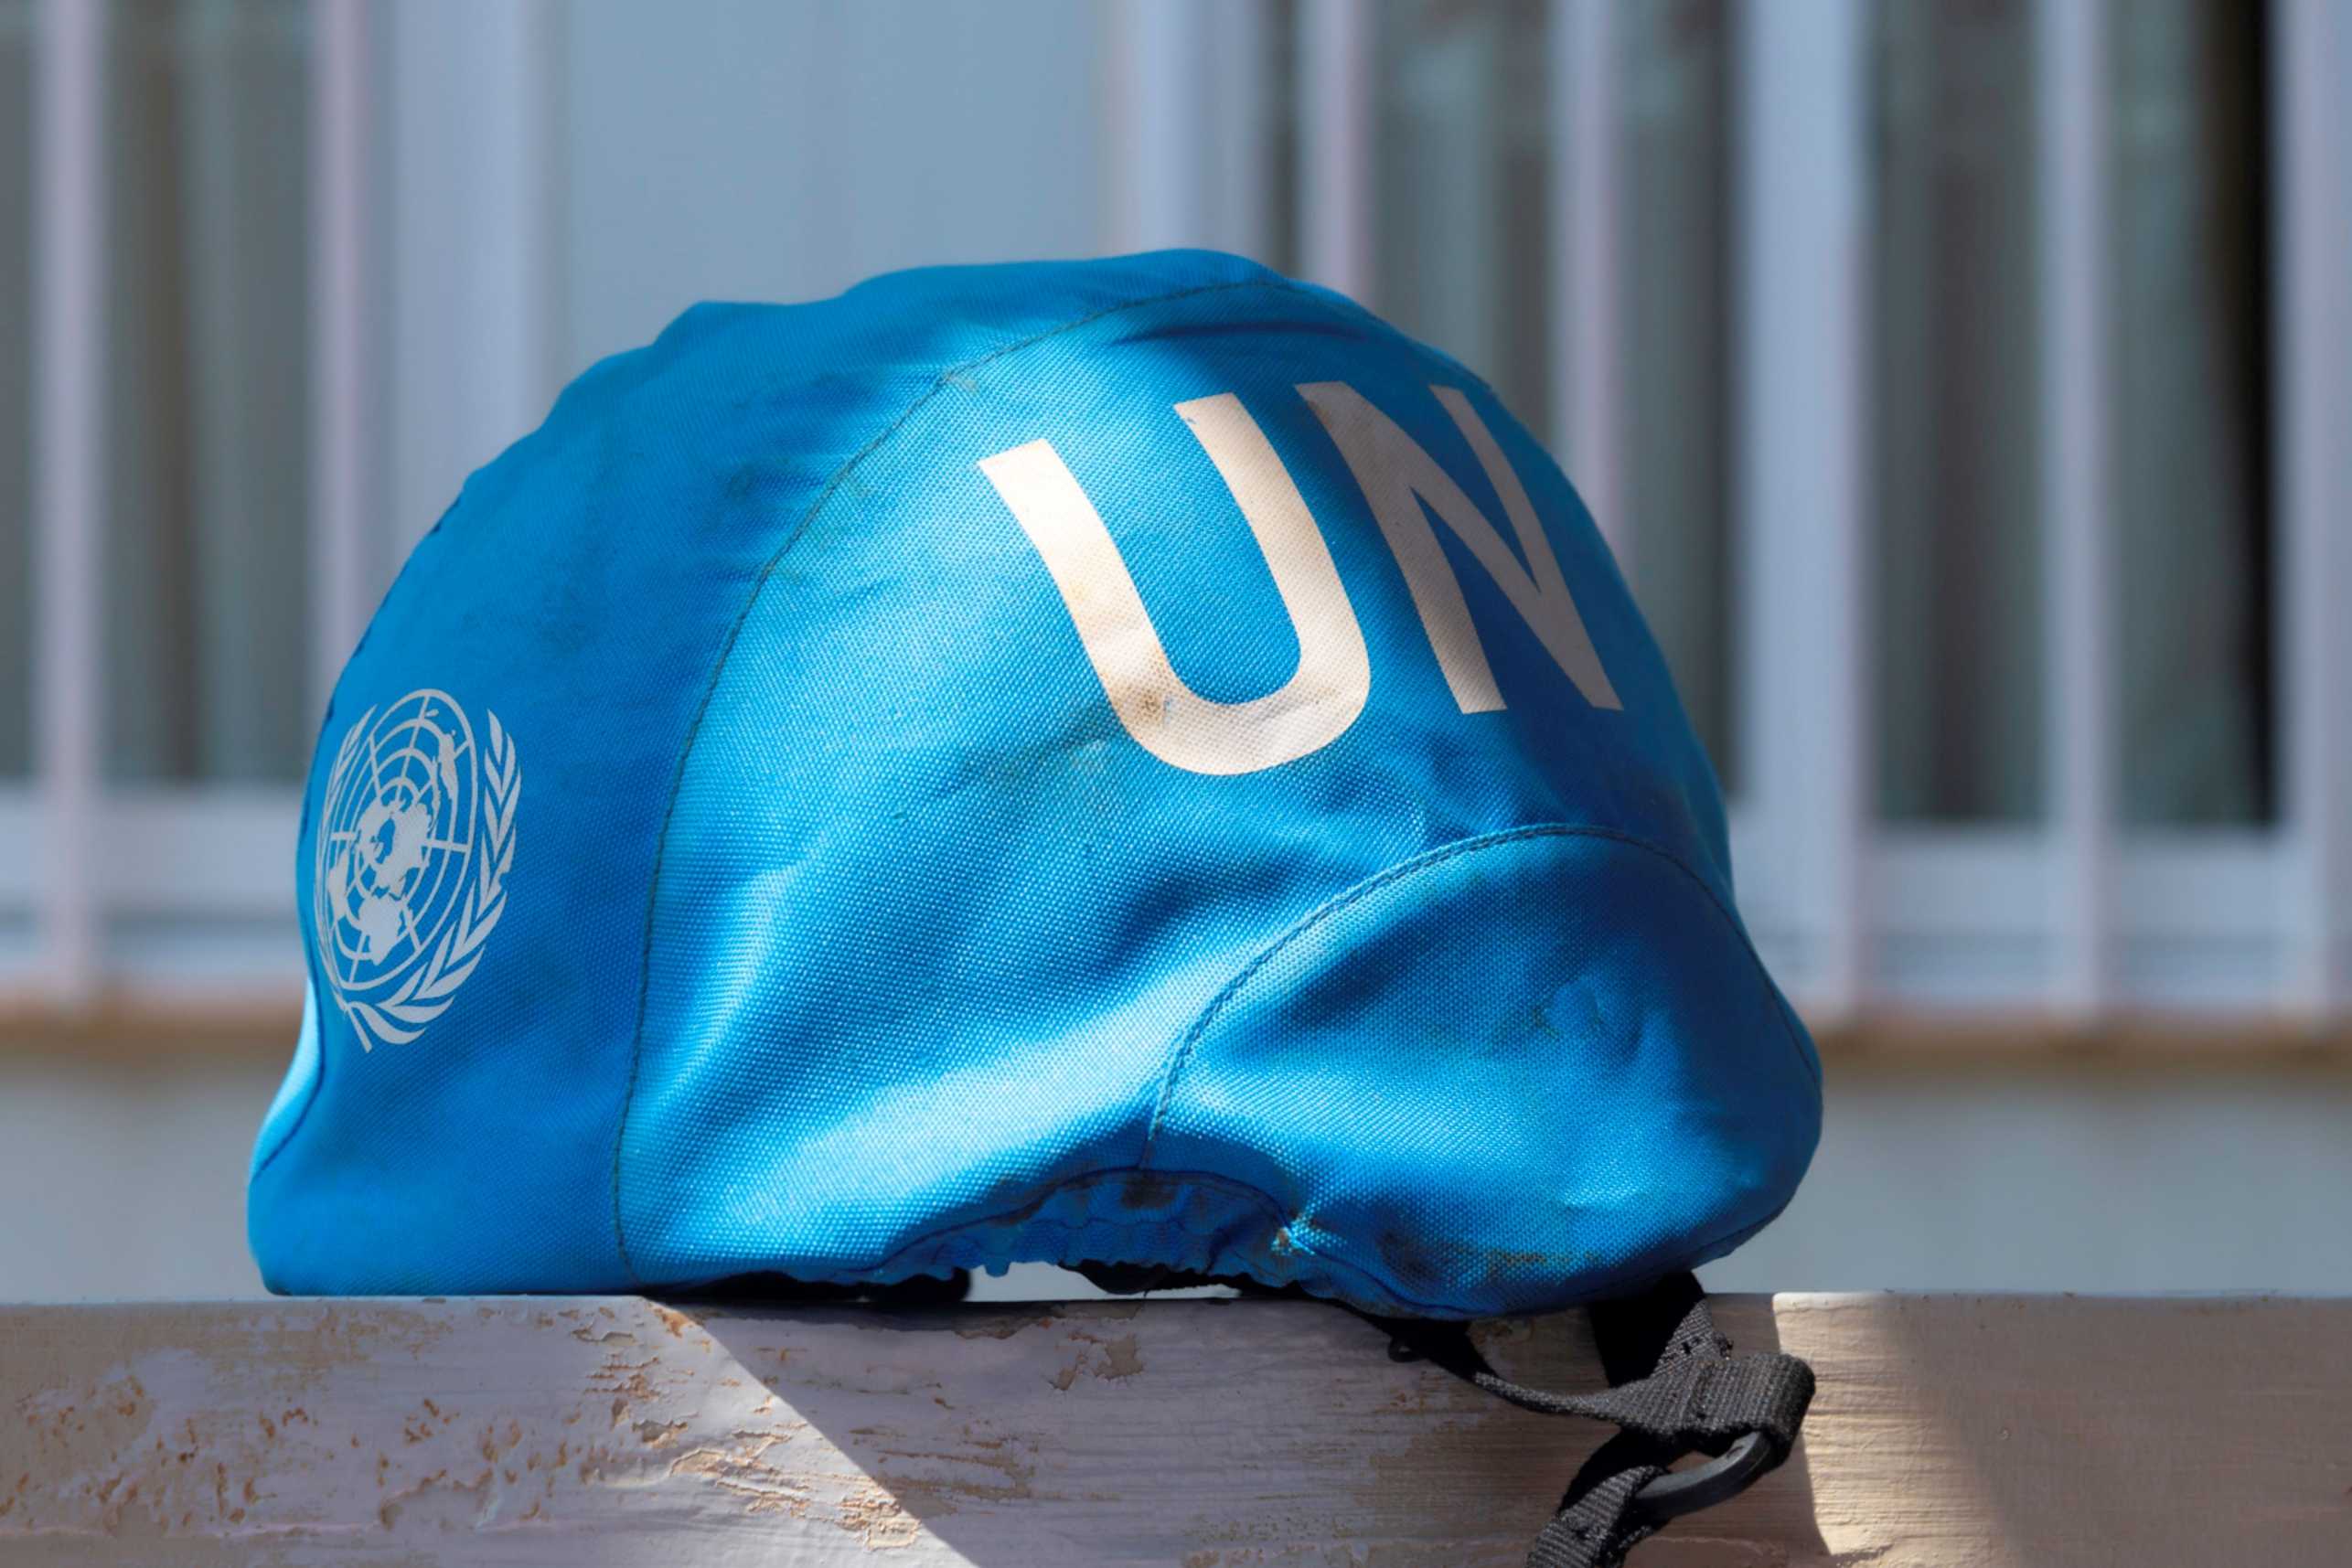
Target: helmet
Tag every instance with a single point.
(1134, 765)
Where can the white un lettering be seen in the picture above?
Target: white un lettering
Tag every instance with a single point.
(1328, 690)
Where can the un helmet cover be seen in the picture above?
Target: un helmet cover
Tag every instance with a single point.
(1132, 762)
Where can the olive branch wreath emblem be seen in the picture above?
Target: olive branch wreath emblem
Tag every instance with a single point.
(425, 993)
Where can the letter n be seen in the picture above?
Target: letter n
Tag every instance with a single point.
(1398, 478)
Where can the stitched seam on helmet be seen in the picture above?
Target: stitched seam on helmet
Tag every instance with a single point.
(825, 495)
(1181, 1054)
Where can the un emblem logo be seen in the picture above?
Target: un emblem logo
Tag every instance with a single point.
(408, 877)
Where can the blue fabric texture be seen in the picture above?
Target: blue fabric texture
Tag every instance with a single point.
(759, 832)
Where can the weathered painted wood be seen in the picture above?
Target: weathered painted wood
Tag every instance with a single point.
(1949, 1431)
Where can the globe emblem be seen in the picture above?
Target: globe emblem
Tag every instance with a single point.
(413, 845)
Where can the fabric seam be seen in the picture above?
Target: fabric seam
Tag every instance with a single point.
(940, 382)
(1180, 1055)
(1274, 1212)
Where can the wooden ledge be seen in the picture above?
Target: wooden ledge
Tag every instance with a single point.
(1950, 1431)
(258, 1029)
(240, 1030)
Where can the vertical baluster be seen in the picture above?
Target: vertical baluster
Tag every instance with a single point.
(344, 569)
(69, 495)
(1803, 710)
(1336, 45)
(2070, 41)
(2312, 98)
(1586, 238)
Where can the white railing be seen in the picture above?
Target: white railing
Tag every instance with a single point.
(101, 885)
(180, 894)
(2077, 917)
(187, 888)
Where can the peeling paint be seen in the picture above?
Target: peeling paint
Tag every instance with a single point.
(746, 1473)
(1121, 1359)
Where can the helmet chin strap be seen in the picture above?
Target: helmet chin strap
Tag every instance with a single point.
(1675, 1390)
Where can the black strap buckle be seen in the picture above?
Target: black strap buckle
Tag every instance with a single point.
(1676, 1388)
(1678, 1492)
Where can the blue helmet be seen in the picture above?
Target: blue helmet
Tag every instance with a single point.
(1133, 763)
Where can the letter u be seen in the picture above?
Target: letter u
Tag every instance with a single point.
(1166, 717)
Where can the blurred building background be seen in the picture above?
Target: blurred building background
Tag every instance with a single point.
(1963, 383)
